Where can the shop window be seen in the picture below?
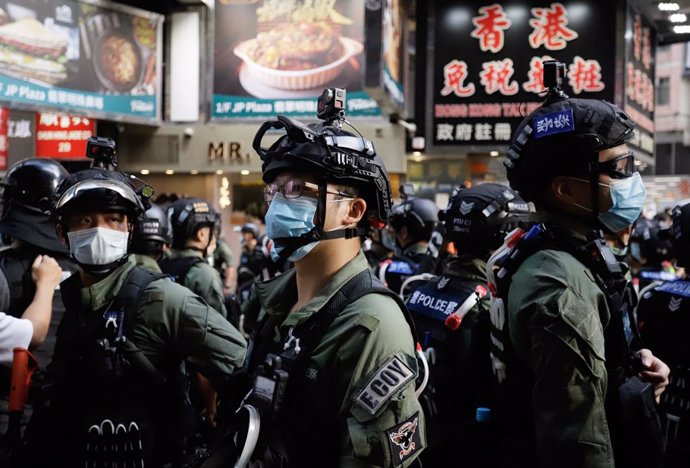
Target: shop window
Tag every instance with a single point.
(663, 91)
(664, 153)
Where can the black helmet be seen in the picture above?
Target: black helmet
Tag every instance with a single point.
(478, 218)
(332, 155)
(28, 187)
(335, 156)
(98, 189)
(563, 137)
(152, 230)
(250, 228)
(649, 243)
(418, 215)
(187, 216)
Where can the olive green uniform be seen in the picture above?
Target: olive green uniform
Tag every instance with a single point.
(203, 279)
(146, 263)
(222, 254)
(167, 323)
(368, 334)
(169, 317)
(556, 319)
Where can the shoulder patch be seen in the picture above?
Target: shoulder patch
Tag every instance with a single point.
(553, 123)
(404, 439)
(388, 378)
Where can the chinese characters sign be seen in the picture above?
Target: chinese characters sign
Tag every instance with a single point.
(640, 54)
(276, 57)
(62, 136)
(102, 60)
(483, 89)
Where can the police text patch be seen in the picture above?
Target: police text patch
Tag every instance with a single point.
(553, 122)
(679, 288)
(392, 375)
(404, 439)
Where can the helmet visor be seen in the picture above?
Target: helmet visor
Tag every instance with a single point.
(81, 188)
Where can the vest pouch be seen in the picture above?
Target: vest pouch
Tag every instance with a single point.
(643, 425)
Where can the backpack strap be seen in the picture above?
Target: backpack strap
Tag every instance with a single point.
(311, 332)
(178, 267)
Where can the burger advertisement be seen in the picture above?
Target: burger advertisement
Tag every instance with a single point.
(97, 60)
(276, 56)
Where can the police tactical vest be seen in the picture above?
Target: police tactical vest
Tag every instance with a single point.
(303, 433)
(460, 378)
(178, 268)
(112, 379)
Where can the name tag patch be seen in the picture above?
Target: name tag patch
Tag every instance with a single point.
(553, 123)
(392, 375)
(404, 439)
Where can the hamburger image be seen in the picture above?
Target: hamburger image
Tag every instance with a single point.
(30, 50)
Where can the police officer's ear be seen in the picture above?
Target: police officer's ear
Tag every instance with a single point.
(566, 190)
(355, 211)
(202, 234)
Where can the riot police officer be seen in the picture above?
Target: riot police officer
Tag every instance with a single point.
(663, 318)
(151, 238)
(565, 349)
(193, 222)
(28, 187)
(409, 229)
(116, 378)
(451, 315)
(336, 348)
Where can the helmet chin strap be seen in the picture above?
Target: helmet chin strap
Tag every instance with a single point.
(291, 244)
(317, 234)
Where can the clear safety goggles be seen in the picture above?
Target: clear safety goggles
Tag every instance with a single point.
(295, 188)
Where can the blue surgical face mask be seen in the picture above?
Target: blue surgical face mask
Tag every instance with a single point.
(627, 201)
(290, 218)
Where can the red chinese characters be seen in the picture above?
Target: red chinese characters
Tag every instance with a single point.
(550, 28)
(646, 49)
(495, 77)
(454, 76)
(535, 75)
(637, 37)
(639, 88)
(585, 75)
(489, 27)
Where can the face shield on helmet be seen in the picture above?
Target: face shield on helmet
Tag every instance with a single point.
(332, 156)
(97, 249)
